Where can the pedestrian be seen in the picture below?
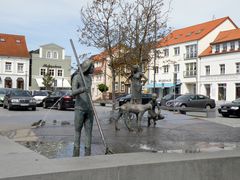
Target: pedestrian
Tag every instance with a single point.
(136, 84)
(83, 109)
(152, 114)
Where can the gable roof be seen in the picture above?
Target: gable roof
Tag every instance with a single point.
(13, 45)
(192, 33)
(225, 36)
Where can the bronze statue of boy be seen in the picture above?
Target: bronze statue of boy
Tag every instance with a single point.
(83, 110)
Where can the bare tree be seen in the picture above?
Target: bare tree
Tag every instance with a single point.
(126, 31)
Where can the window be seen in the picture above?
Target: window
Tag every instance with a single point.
(207, 89)
(49, 54)
(176, 68)
(207, 70)
(237, 90)
(237, 67)
(20, 67)
(224, 47)
(221, 91)
(155, 69)
(232, 45)
(222, 68)
(8, 66)
(122, 86)
(18, 41)
(51, 72)
(165, 69)
(166, 52)
(238, 45)
(217, 50)
(191, 69)
(176, 51)
(116, 86)
(60, 72)
(42, 71)
(55, 55)
(191, 51)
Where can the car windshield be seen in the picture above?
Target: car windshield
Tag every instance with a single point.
(237, 101)
(21, 93)
(3, 91)
(40, 93)
(167, 97)
(183, 97)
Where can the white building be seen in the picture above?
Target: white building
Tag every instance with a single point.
(179, 59)
(220, 67)
(14, 62)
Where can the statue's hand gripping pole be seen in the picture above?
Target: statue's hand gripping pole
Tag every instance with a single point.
(108, 151)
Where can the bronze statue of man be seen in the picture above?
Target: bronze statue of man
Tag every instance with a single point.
(83, 109)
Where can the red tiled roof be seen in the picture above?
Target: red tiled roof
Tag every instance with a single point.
(13, 45)
(224, 36)
(206, 52)
(191, 33)
(98, 70)
(229, 35)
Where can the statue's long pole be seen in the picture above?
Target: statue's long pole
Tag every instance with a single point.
(108, 151)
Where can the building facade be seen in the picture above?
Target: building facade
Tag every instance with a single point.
(52, 58)
(178, 67)
(220, 67)
(14, 62)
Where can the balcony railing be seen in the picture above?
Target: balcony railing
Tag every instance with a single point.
(190, 56)
(189, 74)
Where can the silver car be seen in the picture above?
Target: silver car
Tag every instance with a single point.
(192, 100)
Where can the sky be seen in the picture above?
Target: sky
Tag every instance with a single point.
(56, 21)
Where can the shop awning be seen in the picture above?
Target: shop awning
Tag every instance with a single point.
(59, 83)
(161, 85)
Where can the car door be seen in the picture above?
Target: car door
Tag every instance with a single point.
(202, 101)
(192, 101)
(51, 99)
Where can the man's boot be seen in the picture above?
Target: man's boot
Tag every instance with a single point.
(76, 151)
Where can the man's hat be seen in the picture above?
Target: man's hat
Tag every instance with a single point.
(86, 65)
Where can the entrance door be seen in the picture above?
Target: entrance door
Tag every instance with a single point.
(8, 82)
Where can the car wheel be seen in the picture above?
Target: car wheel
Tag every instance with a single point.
(225, 115)
(59, 106)
(183, 106)
(45, 105)
(4, 106)
(208, 106)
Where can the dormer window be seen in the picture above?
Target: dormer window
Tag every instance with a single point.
(224, 47)
(2, 40)
(217, 48)
(18, 41)
(232, 45)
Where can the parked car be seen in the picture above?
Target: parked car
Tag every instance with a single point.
(162, 101)
(230, 108)
(17, 98)
(61, 99)
(145, 99)
(39, 95)
(3, 92)
(192, 100)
